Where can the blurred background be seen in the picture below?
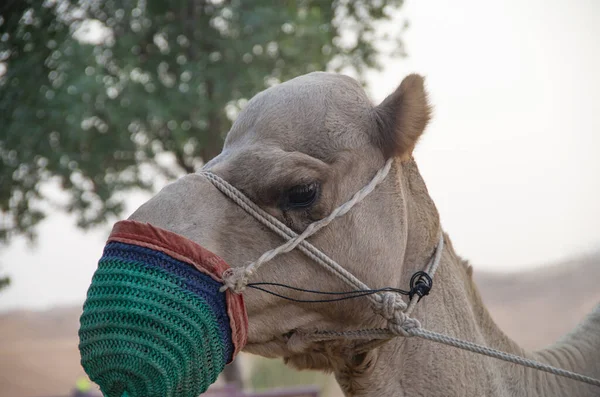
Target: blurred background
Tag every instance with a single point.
(103, 102)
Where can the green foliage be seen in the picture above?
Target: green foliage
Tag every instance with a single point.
(92, 93)
(4, 282)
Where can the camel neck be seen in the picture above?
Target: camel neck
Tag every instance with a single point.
(578, 351)
(414, 367)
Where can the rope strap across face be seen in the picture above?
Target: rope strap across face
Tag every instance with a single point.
(238, 279)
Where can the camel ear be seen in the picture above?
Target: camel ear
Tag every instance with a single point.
(402, 118)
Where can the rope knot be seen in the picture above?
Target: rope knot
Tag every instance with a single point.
(391, 307)
(390, 303)
(235, 279)
(402, 324)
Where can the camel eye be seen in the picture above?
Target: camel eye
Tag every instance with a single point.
(301, 196)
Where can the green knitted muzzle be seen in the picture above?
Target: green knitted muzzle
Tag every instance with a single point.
(154, 322)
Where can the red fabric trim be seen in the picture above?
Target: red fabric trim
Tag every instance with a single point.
(185, 250)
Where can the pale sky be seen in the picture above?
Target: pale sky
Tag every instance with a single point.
(510, 157)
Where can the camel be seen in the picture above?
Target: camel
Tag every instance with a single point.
(299, 150)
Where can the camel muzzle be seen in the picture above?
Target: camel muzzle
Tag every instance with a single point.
(155, 322)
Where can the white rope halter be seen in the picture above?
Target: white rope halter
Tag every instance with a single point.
(388, 304)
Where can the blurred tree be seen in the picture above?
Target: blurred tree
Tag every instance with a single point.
(4, 282)
(94, 93)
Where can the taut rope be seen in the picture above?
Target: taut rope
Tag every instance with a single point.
(388, 303)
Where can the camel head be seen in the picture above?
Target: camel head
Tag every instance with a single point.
(299, 150)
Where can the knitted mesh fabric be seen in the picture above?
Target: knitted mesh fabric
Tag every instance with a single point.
(153, 325)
